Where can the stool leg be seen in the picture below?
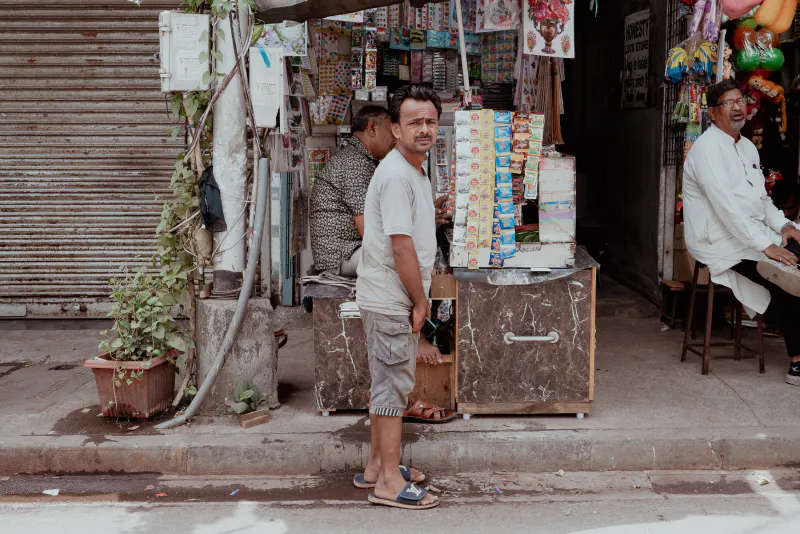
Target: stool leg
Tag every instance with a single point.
(709, 321)
(690, 317)
(674, 309)
(737, 321)
(761, 369)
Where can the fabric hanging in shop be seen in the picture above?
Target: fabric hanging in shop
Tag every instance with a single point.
(270, 11)
(211, 203)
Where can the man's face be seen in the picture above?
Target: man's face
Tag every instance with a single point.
(730, 112)
(384, 139)
(418, 126)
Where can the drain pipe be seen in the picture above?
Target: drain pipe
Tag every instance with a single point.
(262, 196)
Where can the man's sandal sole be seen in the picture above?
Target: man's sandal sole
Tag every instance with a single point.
(386, 502)
(422, 420)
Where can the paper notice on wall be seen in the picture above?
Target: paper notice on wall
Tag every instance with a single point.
(185, 33)
(637, 57)
(266, 84)
(188, 65)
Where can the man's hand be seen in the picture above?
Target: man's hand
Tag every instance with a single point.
(443, 216)
(789, 232)
(428, 353)
(418, 315)
(782, 255)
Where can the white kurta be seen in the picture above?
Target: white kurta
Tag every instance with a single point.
(728, 216)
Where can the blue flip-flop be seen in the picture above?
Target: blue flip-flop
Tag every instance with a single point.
(361, 483)
(408, 499)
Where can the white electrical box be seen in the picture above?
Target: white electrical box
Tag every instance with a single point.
(184, 51)
(267, 72)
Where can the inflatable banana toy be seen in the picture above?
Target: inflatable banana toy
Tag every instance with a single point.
(777, 15)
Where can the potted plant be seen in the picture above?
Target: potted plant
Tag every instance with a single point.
(244, 402)
(135, 374)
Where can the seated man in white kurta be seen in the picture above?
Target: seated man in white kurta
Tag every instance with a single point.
(732, 226)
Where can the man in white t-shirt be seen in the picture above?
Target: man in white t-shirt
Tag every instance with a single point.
(394, 280)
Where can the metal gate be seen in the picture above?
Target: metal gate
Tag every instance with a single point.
(85, 157)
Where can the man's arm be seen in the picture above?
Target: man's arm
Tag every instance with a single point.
(359, 220)
(407, 265)
(708, 170)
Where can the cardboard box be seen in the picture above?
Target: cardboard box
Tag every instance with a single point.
(682, 261)
(443, 286)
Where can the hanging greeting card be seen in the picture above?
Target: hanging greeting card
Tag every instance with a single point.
(467, 13)
(498, 15)
(549, 28)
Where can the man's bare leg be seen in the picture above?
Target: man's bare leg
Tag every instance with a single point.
(373, 469)
(389, 432)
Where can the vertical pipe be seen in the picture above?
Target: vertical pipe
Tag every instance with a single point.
(230, 165)
(464, 63)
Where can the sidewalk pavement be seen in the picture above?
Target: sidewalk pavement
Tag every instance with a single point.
(651, 412)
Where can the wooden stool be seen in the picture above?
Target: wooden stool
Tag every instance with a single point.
(675, 288)
(737, 345)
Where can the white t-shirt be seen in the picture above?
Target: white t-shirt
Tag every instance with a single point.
(399, 202)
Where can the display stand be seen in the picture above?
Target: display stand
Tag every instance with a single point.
(526, 341)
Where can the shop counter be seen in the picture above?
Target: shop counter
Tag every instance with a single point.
(341, 369)
(526, 340)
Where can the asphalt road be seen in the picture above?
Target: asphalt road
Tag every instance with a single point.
(596, 503)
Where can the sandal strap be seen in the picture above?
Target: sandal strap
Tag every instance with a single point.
(411, 494)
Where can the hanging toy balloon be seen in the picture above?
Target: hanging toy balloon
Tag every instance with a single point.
(747, 60)
(748, 22)
(705, 59)
(772, 59)
(766, 38)
(738, 8)
(743, 37)
(677, 64)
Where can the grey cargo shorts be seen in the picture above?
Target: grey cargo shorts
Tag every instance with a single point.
(392, 352)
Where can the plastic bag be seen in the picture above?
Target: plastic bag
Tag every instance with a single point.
(757, 49)
(693, 58)
(706, 20)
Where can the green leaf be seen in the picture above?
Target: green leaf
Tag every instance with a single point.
(129, 381)
(176, 342)
(239, 407)
(203, 56)
(117, 343)
(175, 132)
(220, 33)
(158, 333)
(204, 36)
(239, 388)
(258, 31)
(191, 391)
(218, 55)
(246, 394)
(208, 77)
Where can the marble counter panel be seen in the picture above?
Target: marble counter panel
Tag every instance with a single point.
(492, 371)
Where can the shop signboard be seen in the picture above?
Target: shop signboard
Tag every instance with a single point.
(637, 57)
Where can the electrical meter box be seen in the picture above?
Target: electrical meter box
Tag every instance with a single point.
(267, 82)
(184, 51)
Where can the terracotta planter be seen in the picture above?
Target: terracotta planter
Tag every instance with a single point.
(144, 397)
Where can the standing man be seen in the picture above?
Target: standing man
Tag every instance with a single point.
(394, 280)
(732, 226)
(337, 197)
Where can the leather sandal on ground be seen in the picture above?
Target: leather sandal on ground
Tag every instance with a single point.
(360, 482)
(425, 412)
(408, 499)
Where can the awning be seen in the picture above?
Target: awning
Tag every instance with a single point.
(271, 11)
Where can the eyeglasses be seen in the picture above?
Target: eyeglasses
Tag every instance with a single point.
(728, 104)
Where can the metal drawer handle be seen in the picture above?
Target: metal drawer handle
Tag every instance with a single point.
(510, 338)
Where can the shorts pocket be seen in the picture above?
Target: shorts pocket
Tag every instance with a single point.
(392, 342)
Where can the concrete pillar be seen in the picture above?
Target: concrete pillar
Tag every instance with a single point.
(230, 163)
(253, 357)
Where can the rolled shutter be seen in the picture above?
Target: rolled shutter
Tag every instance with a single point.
(85, 155)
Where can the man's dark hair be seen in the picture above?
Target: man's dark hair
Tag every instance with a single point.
(414, 92)
(716, 91)
(369, 114)
(783, 190)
